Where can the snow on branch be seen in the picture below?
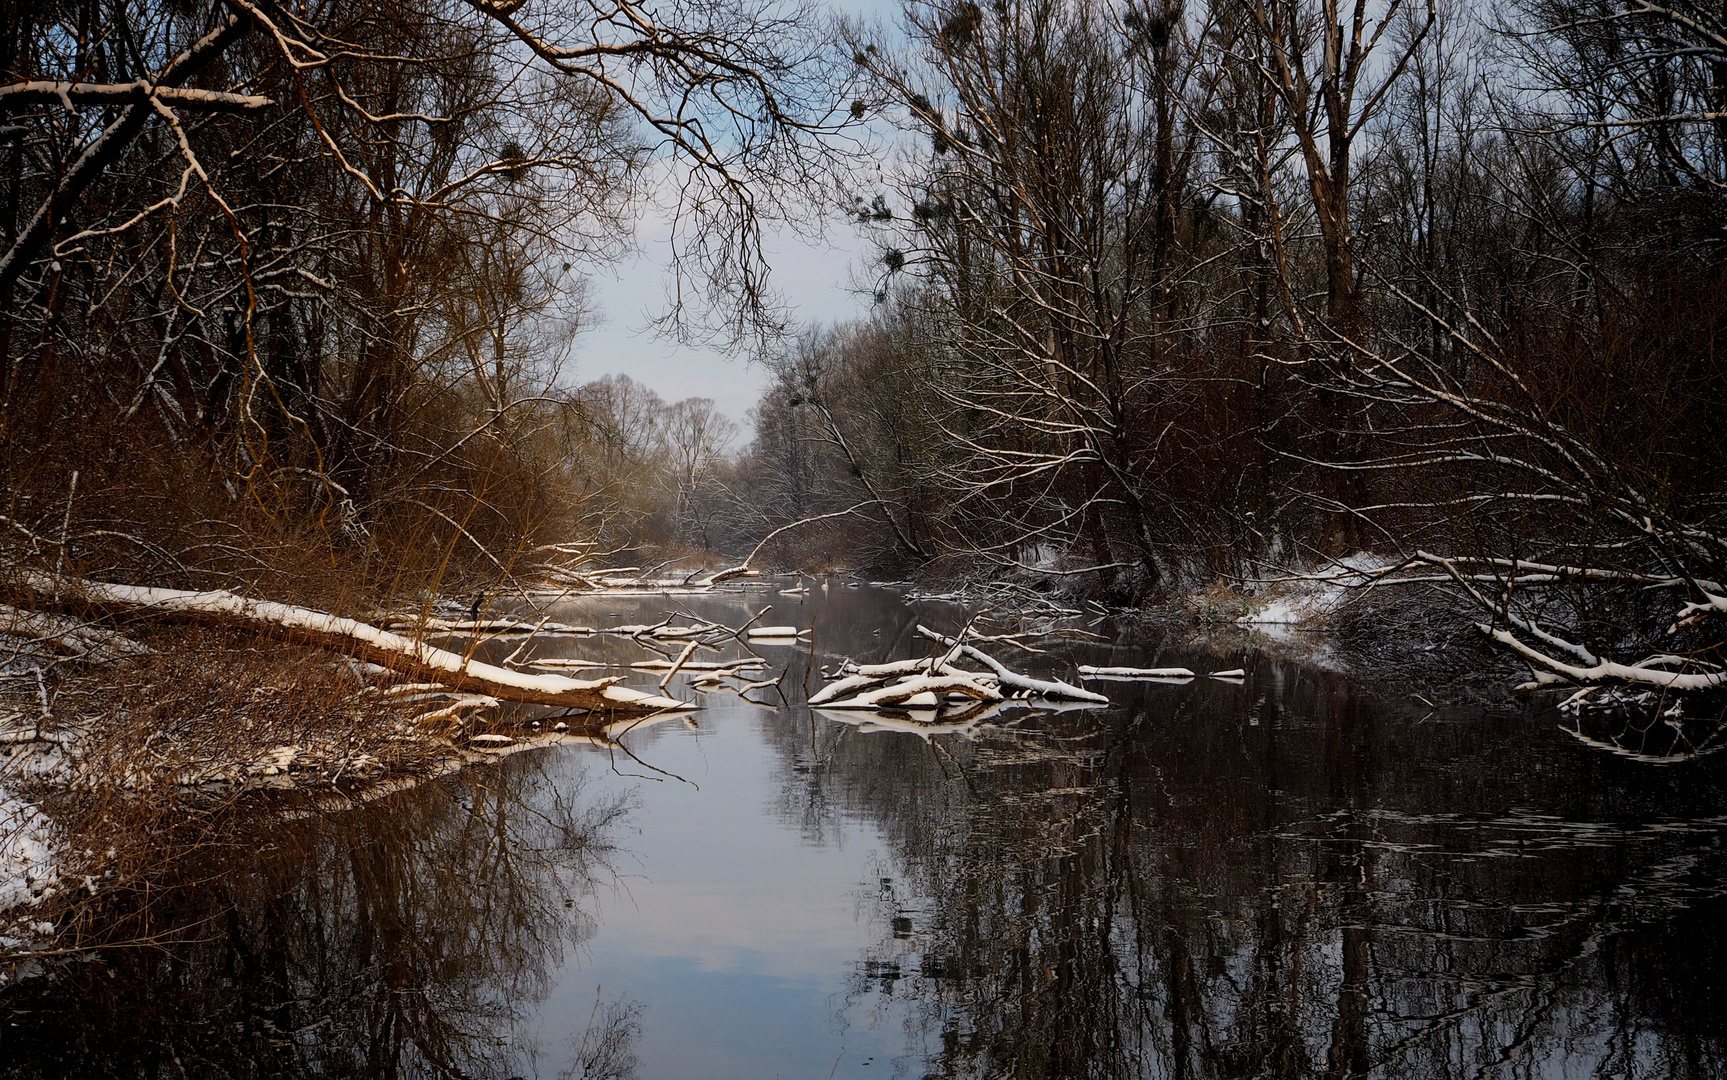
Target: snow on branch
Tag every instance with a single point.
(1494, 585)
(1013, 679)
(403, 655)
(23, 95)
(929, 685)
(1606, 672)
(74, 637)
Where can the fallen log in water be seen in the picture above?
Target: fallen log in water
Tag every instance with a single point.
(697, 665)
(488, 627)
(1013, 679)
(1136, 672)
(924, 690)
(1167, 674)
(928, 682)
(306, 626)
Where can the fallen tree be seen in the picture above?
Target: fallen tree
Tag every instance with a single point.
(350, 637)
(1521, 595)
(1013, 680)
(931, 681)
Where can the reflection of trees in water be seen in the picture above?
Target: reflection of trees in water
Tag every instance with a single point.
(1274, 881)
(406, 937)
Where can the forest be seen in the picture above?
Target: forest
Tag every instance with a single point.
(973, 660)
(1177, 294)
(1164, 294)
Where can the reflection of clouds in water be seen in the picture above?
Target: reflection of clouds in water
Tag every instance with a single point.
(715, 884)
(736, 927)
(1326, 885)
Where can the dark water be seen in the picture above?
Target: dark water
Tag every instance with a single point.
(1286, 877)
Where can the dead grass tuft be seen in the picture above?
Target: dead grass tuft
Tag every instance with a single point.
(161, 759)
(1217, 603)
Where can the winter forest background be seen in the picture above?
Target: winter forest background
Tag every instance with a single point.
(1163, 295)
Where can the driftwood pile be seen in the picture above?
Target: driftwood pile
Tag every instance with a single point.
(940, 681)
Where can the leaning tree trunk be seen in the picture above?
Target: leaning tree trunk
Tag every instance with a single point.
(402, 655)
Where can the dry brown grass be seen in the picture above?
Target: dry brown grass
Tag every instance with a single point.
(163, 758)
(1216, 604)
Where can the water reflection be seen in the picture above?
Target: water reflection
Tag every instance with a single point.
(1329, 892)
(1281, 877)
(409, 937)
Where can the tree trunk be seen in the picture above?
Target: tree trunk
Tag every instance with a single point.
(306, 626)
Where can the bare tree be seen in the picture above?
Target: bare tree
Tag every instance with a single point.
(696, 436)
(326, 255)
(1054, 221)
(1525, 288)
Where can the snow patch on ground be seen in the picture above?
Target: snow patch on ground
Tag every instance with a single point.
(27, 843)
(1309, 597)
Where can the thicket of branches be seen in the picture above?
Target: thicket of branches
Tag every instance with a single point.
(284, 290)
(1168, 292)
(1173, 291)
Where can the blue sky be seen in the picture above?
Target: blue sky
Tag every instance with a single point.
(814, 278)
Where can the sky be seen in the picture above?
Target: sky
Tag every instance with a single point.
(813, 278)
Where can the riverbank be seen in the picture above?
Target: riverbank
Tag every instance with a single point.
(112, 772)
(824, 888)
(1404, 643)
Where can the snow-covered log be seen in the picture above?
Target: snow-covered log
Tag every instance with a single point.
(893, 668)
(1136, 672)
(841, 687)
(697, 665)
(858, 676)
(1157, 673)
(901, 692)
(1607, 672)
(488, 627)
(403, 655)
(75, 637)
(1009, 678)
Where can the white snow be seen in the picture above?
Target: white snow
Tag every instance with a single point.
(517, 685)
(1307, 597)
(27, 841)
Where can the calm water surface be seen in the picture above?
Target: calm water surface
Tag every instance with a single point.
(1278, 877)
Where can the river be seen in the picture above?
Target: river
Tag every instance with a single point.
(1278, 875)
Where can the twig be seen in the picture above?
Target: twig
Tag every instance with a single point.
(689, 650)
(66, 523)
